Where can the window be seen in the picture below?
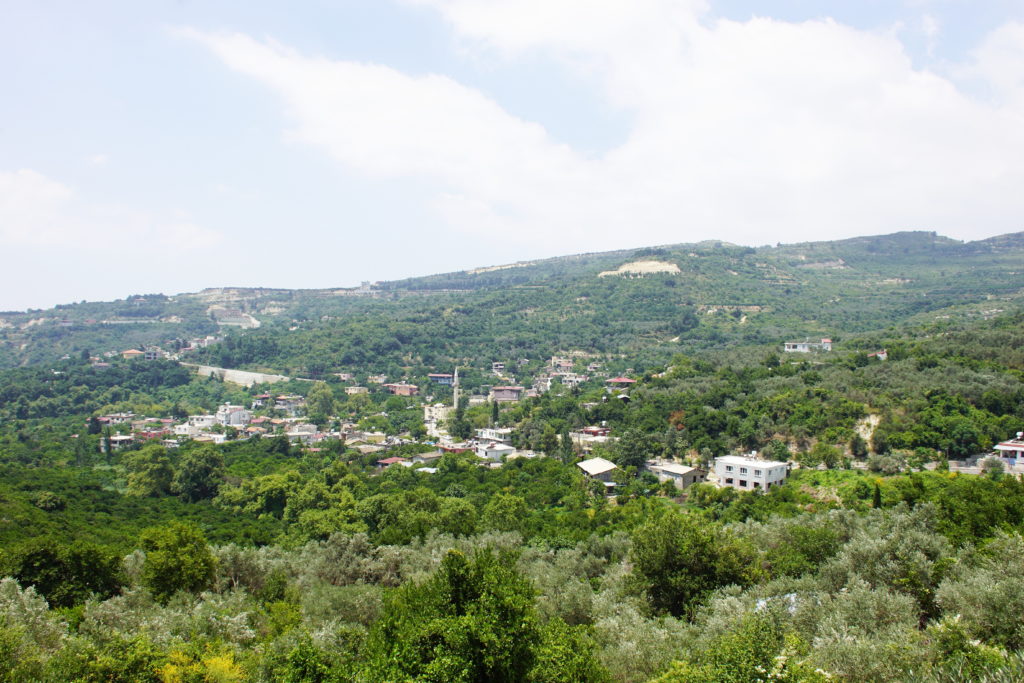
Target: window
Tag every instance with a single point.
(729, 480)
(743, 470)
(743, 483)
(728, 468)
(757, 473)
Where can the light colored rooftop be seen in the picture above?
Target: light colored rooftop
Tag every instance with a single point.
(745, 460)
(596, 466)
(673, 468)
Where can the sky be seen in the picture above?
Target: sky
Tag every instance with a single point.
(172, 145)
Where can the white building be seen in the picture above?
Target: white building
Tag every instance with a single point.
(680, 475)
(1012, 451)
(749, 474)
(807, 346)
(438, 412)
(233, 416)
(196, 425)
(496, 434)
(494, 451)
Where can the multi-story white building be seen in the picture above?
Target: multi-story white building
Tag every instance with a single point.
(749, 474)
(234, 416)
(495, 434)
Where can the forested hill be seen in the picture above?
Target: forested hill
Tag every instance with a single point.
(641, 302)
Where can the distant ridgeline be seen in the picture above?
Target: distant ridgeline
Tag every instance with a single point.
(647, 303)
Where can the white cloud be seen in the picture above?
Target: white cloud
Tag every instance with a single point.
(37, 211)
(999, 62)
(99, 159)
(755, 131)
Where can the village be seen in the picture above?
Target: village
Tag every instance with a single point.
(285, 415)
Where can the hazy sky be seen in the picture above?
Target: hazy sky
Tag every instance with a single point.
(167, 146)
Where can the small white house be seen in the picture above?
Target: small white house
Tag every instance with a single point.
(1012, 451)
(494, 451)
(750, 474)
(807, 346)
(599, 469)
(680, 475)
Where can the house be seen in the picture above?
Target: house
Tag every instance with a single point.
(571, 379)
(622, 382)
(377, 379)
(302, 433)
(441, 378)
(880, 355)
(599, 469)
(436, 412)
(233, 416)
(116, 418)
(505, 394)
(453, 448)
(750, 474)
(427, 458)
(119, 441)
(352, 391)
(260, 400)
(495, 434)
(561, 364)
(588, 437)
(807, 346)
(1012, 451)
(498, 368)
(290, 403)
(680, 475)
(388, 462)
(345, 376)
(132, 354)
(494, 451)
(402, 389)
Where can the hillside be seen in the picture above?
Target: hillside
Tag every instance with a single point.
(707, 295)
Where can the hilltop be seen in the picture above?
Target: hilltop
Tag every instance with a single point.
(705, 294)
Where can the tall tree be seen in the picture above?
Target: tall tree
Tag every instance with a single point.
(680, 558)
(472, 621)
(149, 472)
(177, 559)
(199, 474)
(320, 403)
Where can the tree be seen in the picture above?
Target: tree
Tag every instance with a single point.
(472, 621)
(177, 559)
(66, 575)
(566, 655)
(149, 472)
(459, 427)
(320, 404)
(199, 474)
(504, 512)
(679, 558)
(858, 446)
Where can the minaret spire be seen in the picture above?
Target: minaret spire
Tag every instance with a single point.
(455, 400)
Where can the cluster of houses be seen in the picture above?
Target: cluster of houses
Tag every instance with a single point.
(153, 352)
(741, 472)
